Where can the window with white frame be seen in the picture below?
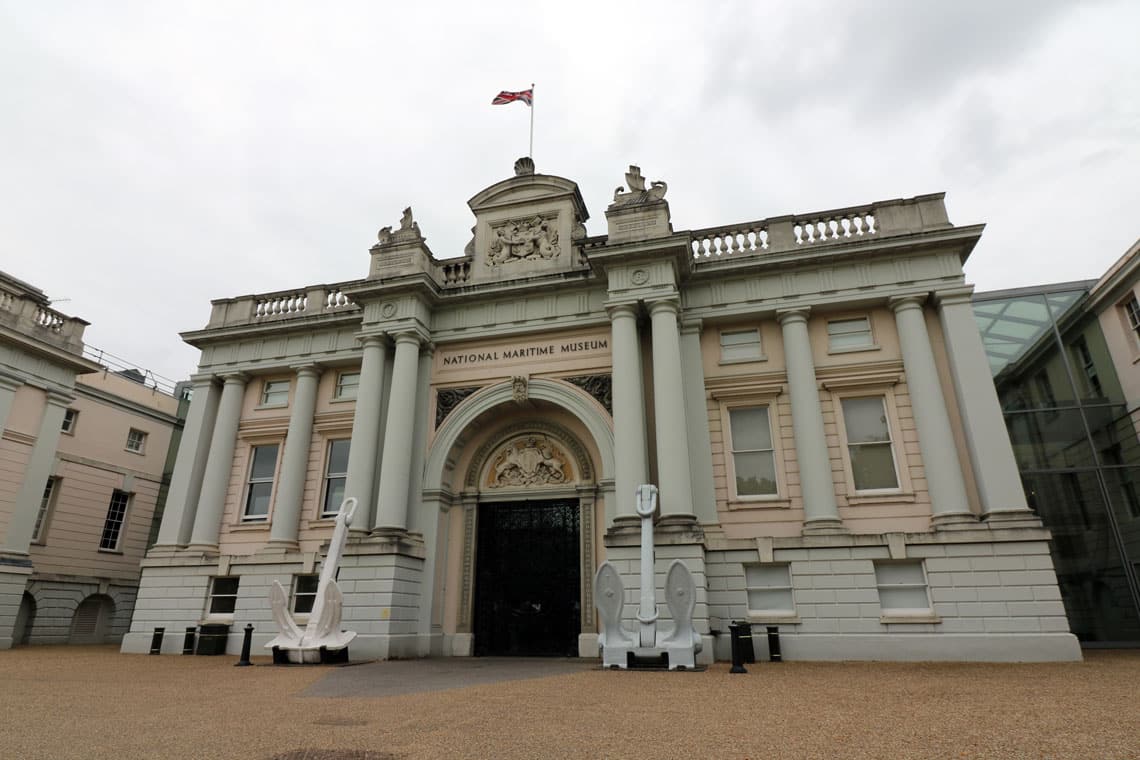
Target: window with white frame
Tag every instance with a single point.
(769, 589)
(849, 334)
(870, 449)
(259, 488)
(753, 456)
(113, 524)
(1132, 314)
(347, 384)
(275, 393)
(336, 473)
(304, 593)
(902, 588)
(136, 441)
(70, 417)
(41, 516)
(223, 596)
(740, 345)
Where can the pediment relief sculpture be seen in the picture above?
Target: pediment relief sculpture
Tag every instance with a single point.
(530, 460)
(533, 239)
(637, 192)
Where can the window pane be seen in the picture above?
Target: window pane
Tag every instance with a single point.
(767, 575)
(903, 572)
(865, 420)
(873, 466)
(347, 384)
(307, 584)
(258, 503)
(770, 599)
(750, 430)
(222, 604)
(742, 344)
(338, 456)
(334, 495)
(224, 586)
(264, 462)
(755, 473)
(903, 599)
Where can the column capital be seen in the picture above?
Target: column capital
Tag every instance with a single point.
(910, 301)
(408, 336)
(235, 378)
(311, 369)
(628, 309)
(799, 314)
(669, 303)
(9, 382)
(373, 339)
(692, 325)
(203, 378)
(954, 296)
(57, 397)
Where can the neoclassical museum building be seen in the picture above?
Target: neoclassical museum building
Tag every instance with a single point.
(809, 393)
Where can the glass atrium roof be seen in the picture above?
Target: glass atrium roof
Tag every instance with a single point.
(1010, 327)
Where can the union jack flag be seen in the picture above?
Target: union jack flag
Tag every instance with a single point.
(504, 97)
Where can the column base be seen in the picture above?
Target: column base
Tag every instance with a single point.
(1013, 518)
(678, 529)
(954, 521)
(279, 546)
(13, 559)
(824, 526)
(206, 549)
(624, 528)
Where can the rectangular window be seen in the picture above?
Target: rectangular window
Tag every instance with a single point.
(69, 419)
(223, 596)
(849, 334)
(753, 459)
(1044, 390)
(740, 346)
(41, 516)
(347, 384)
(769, 589)
(136, 441)
(275, 393)
(260, 486)
(336, 472)
(1132, 313)
(869, 444)
(304, 593)
(902, 588)
(1088, 368)
(113, 525)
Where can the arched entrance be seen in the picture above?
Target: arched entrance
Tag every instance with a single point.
(92, 620)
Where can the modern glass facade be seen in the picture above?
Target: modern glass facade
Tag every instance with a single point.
(1075, 437)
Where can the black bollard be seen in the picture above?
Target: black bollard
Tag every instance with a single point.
(188, 640)
(737, 632)
(774, 644)
(245, 645)
(156, 641)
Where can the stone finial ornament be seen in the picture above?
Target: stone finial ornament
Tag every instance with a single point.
(524, 167)
(409, 231)
(323, 633)
(637, 192)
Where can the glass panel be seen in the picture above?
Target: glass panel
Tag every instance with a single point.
(307, 584)
(222, 605)
(755, 474)
(1049, 439)
(865, 420)
(224, 586)
(767, 575)
(852, 340)
(873, 467)
(264, 462)
(903, 598)
(334, 496)
(775, 600)
(338, 456)
(347, 385)
(901, 572)
(750, 429)
(257, 505)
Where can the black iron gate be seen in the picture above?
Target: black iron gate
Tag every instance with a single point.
(527, 579)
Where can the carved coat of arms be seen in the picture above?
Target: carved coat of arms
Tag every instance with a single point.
(529, 461)
(523, 240)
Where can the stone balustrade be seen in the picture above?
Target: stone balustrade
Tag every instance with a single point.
(313, 301)
(26, 310)
(837, 226)
(454, 271)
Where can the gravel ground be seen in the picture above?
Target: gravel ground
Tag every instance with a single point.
(92, 702)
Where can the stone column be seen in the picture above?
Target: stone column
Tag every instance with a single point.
(991, 454)
(186, 480)
(36, 474)
(8, 387)
(821, 515)
(395, 467)
(935, 437)
(295, 460)
(219, 464)
(697, 416)
(676, 487)
(364, 449)
(631, 455)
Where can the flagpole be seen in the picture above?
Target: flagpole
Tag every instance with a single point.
(531, 153)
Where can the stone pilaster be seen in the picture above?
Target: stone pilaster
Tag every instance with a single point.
(631, 461)
(821, 514)
(675, 482)
(363, 451)
(219, 463)
(190, 464)
(39, 468)
(295, 460)
(395, 467)
(935, 437)
(8, 387)
(991, 454)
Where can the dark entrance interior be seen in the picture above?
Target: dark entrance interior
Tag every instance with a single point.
(527, 579)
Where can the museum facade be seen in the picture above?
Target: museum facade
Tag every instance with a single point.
(809, 393)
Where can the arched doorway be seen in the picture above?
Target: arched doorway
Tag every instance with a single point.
(25, 619)
(92, 620)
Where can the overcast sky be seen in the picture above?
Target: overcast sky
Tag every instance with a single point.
(155, 155)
